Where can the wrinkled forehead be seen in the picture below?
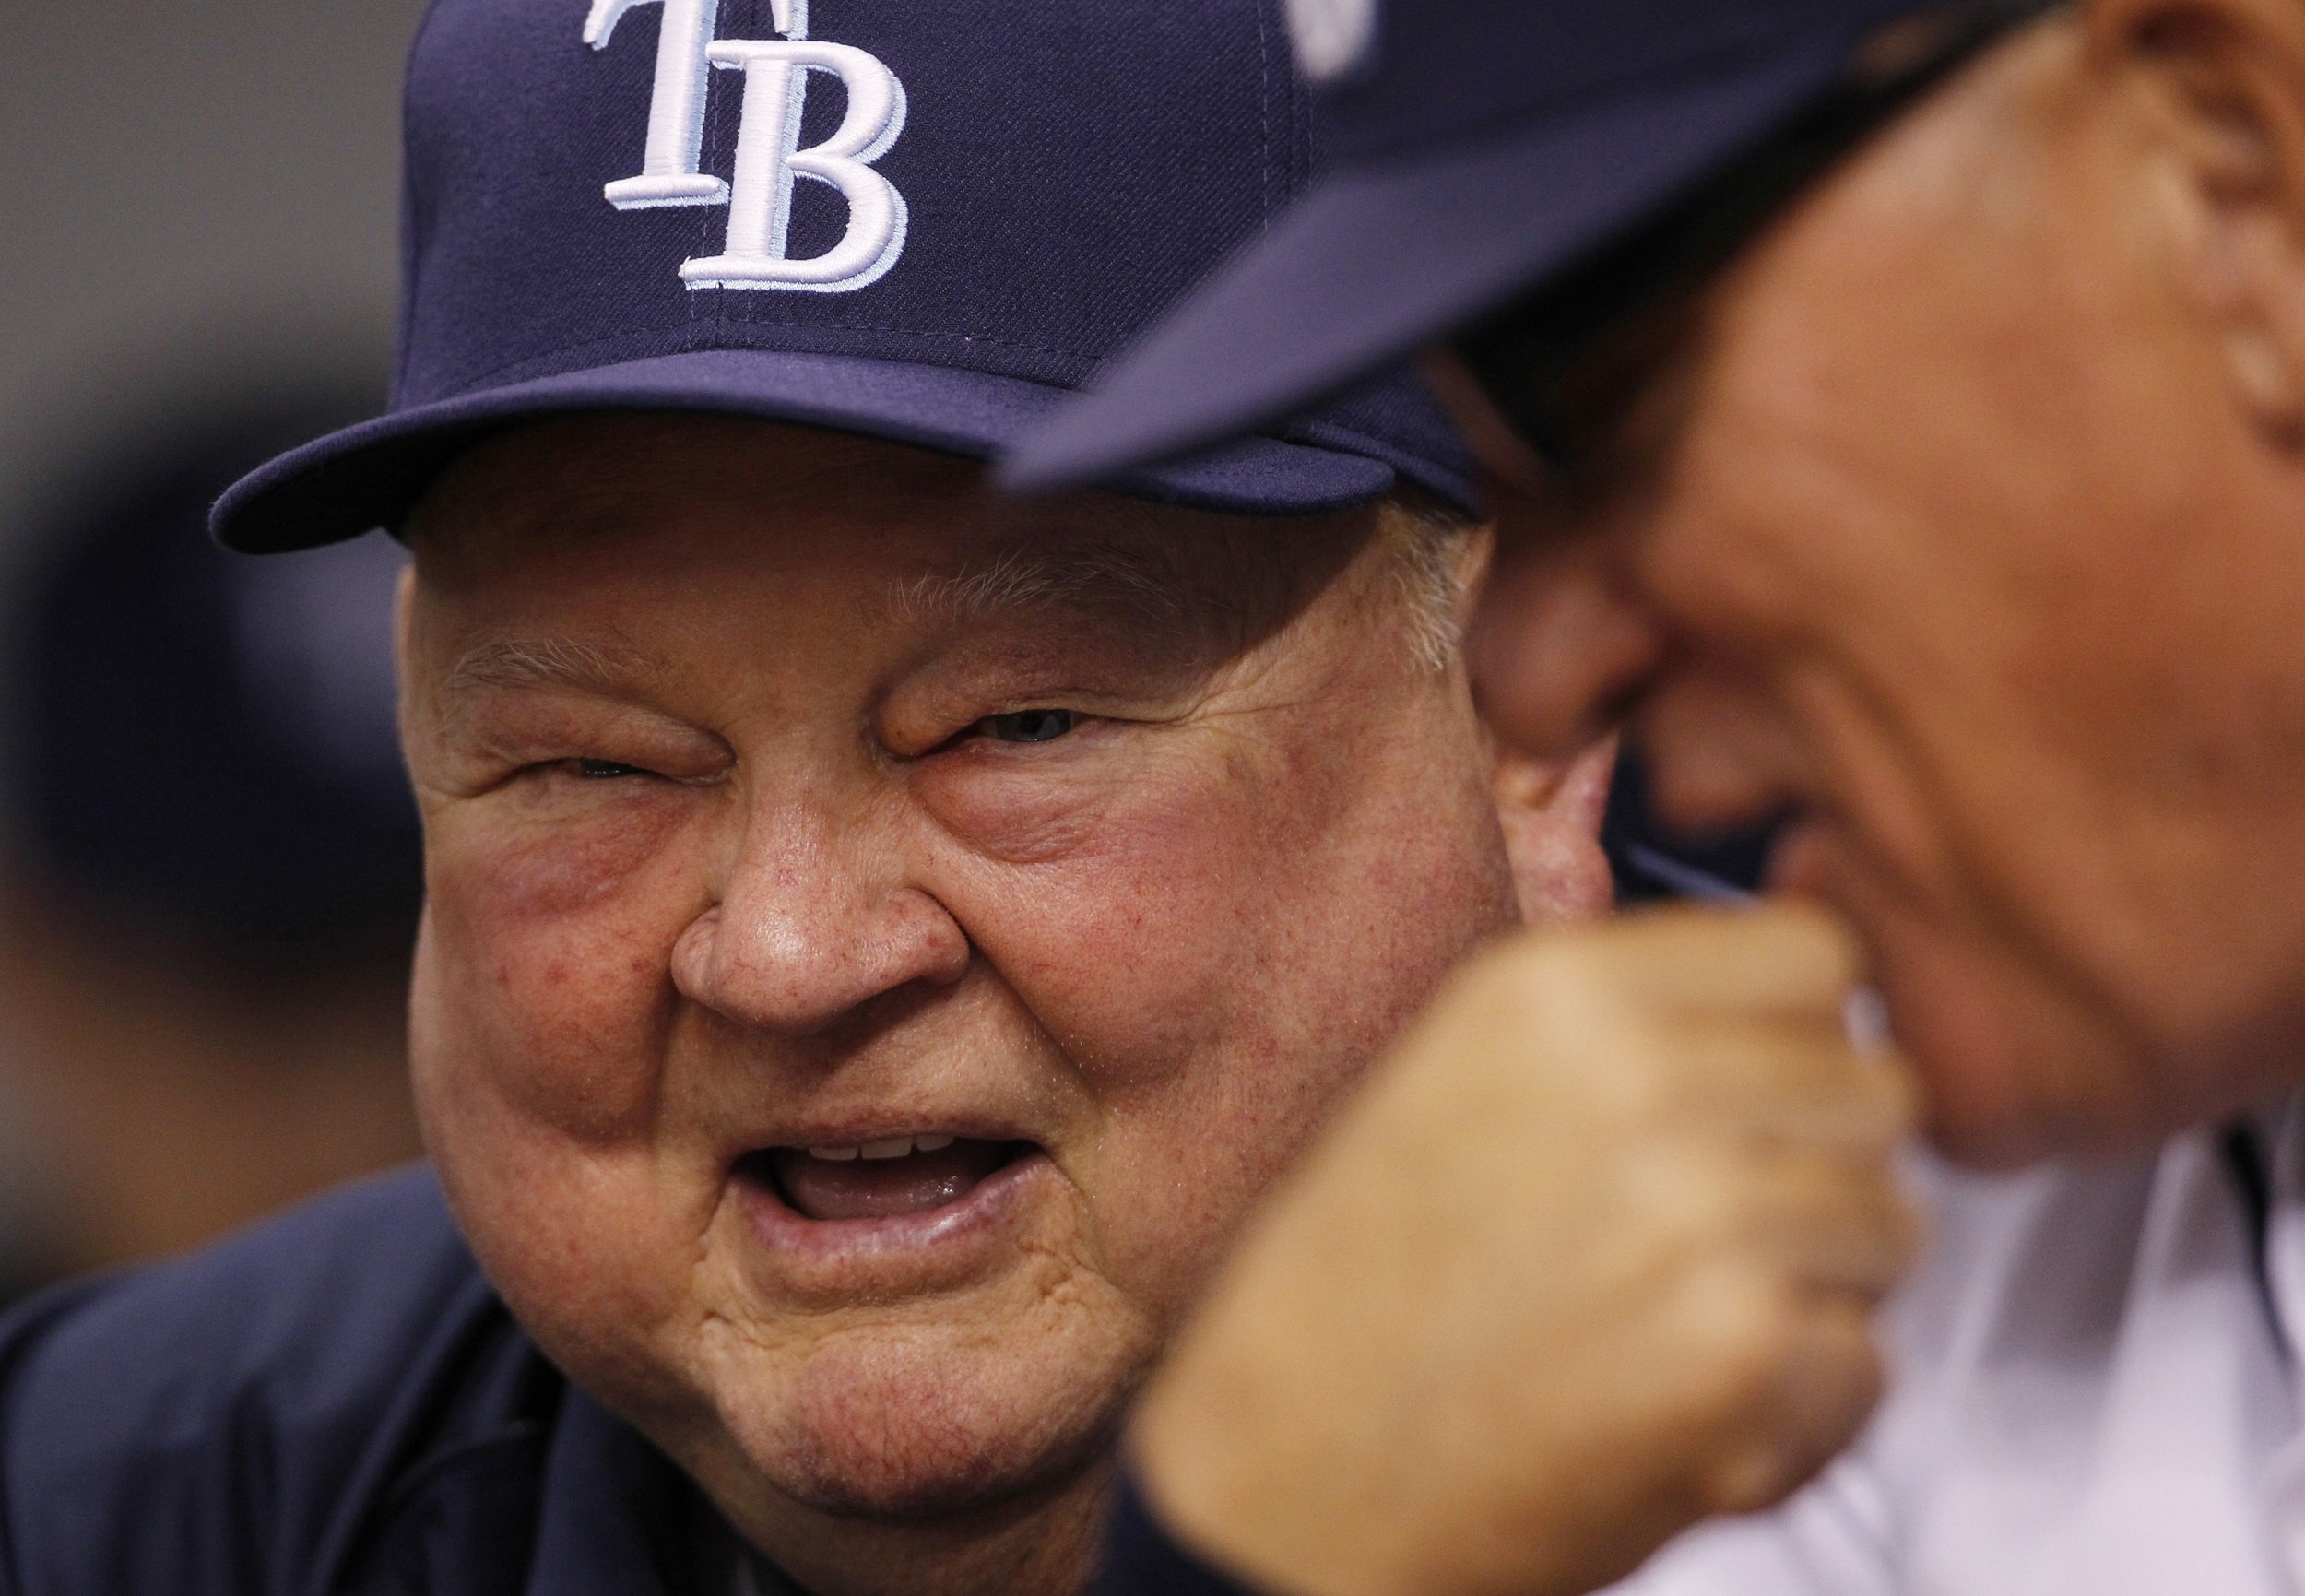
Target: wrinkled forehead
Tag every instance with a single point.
(699, 540)
(893, 534)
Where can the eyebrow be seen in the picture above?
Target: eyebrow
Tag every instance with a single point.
(1152, 589)
(554, 662)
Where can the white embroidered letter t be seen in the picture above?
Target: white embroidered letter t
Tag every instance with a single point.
(670, 174)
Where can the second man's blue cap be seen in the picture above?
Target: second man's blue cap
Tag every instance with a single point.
(1477, 149)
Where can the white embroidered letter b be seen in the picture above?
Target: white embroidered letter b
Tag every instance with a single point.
(676, 112)
(769, 158)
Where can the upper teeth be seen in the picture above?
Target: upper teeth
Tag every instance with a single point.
(894, 1147)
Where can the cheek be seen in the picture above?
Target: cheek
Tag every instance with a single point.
(1119, 907)
(543, 996)
(541, 1007)
(1228, 944)
(2015, 1068)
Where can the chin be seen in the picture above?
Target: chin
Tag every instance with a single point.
(1990, 1144)
(931, 1424)
(2015, 1071)
(2007, 1140)
(2017, 1063)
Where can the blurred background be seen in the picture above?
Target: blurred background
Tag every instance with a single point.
(207, 861)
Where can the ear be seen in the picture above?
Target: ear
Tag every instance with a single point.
(1551, 812)
(2221, 87)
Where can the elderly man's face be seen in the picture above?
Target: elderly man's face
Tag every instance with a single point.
(1973, 529)
(881, 939)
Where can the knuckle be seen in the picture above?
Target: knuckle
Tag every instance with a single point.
(1815, 934)
(1844, 1377)
(1749, 1479)
(1891, 1091)
(1865, 1109)
(1529, 979)
(1682, 1198)
(1556, 1005)
(1820, 1392)
(1907, 1231)
(1868, 1382)
(1739, 1327)
(1567, 974)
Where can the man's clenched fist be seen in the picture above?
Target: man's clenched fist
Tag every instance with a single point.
(1592, 1258)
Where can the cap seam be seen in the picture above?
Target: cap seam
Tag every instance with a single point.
(413, 194)
(1264, 103)
(515, 368)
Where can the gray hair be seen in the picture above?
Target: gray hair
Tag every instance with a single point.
(1434, 571)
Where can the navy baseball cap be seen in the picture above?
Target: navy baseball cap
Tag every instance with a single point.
(922, 222)
(1482, 151)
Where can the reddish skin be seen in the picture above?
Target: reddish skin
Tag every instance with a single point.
(1162, 947)
(1969, 529)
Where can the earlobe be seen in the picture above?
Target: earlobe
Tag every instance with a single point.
(2222, 87)
(1551, 812)
(2266, 380)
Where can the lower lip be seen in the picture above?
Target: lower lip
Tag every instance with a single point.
(911, 1251)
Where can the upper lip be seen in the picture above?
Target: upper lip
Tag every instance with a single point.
(860, 1132)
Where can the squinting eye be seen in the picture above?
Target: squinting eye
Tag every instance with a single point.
(604, 770)
(1029, 726)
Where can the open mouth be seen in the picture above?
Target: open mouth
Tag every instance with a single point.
(890, 1179)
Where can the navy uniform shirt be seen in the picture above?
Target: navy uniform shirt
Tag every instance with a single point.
(335, 1404)
(338, 1404)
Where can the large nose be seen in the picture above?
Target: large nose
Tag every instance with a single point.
(816, 921)
(1559, 651)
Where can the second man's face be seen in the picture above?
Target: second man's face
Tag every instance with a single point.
(1964, 551)
(881, 940)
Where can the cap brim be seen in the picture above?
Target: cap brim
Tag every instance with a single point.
(371, 475)
(1378, 262)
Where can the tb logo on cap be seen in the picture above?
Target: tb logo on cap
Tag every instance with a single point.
(769, 155)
